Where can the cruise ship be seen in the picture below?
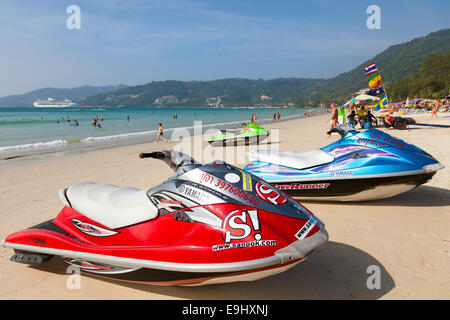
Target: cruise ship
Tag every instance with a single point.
(52, 103)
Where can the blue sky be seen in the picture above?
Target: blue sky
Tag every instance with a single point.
(134, 42)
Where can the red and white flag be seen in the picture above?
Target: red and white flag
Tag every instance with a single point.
(371, 68)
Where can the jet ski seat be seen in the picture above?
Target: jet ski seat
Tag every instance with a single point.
(293, 159)
(112, 206)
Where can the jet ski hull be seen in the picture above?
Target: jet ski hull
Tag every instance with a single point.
(239, 141)
(250, 134)
(144, 275)
(357, 189)
(49, 248)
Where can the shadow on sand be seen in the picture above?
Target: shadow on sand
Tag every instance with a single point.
(422, 196)
(334, 271)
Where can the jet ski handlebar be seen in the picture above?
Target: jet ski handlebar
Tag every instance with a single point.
(175, 160)
(154, 155)
(342, 129)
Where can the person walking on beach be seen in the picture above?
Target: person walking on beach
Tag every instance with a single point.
(160, 133)
(333, 118)
(434, 111)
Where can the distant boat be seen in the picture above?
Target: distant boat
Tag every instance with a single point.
(52, 103)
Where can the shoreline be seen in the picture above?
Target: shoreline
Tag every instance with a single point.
(116, 133)
(131, 138)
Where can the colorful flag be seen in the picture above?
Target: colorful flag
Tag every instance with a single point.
(376, 91)
(383, 102)
(371, 68)
(375, 81)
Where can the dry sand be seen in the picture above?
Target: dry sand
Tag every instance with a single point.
(407, 236)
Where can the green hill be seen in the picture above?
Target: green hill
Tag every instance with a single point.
(232, 92)
(431, 81)
(396, 62)
(78, 93)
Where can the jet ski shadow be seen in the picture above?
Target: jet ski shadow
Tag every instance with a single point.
(269, 143)
(422, 196)
(334, 271)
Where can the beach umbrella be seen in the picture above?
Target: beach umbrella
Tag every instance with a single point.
(361, 98)
(365, 97)
(350, 102)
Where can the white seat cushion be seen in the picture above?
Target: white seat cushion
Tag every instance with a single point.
(112, 206)
(293, 159)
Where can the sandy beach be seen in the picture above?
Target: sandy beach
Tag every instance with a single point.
(406, 236)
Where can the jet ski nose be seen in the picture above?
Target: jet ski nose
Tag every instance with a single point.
(301, 248)
(433, 167)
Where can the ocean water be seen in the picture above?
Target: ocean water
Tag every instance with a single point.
(28, 131)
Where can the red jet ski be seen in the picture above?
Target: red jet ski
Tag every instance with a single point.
(207, 224)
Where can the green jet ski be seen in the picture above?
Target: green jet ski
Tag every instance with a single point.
(249, 134)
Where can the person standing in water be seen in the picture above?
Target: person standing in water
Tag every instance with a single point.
(160, 133)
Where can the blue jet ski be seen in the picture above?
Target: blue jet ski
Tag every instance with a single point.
(360, 166)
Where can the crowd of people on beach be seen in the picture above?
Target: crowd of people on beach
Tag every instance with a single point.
(96, 124)
(361, 116)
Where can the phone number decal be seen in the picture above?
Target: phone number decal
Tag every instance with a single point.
(217, 183)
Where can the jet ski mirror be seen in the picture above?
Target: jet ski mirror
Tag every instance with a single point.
(342, 129)
(178, 161)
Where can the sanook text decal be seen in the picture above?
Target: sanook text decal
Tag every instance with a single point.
(307, 227)
(250, 244)
(269, 194)
(241, 229)
(240, 224)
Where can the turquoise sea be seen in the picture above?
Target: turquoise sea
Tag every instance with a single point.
(28, 130)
